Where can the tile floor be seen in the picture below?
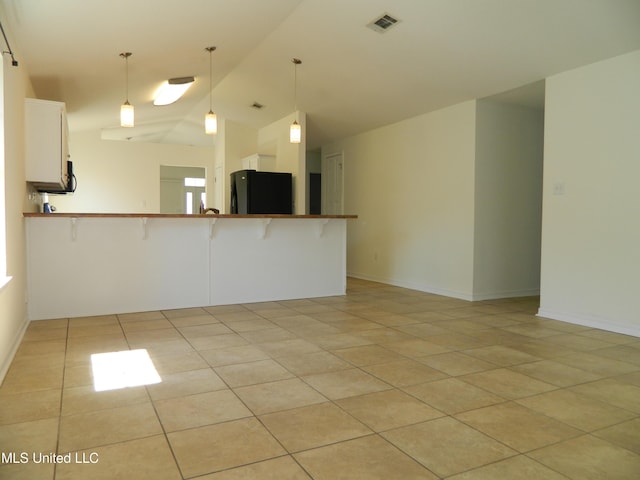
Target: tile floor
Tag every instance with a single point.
(383, 383)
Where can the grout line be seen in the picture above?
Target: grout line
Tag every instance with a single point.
(375, 303)
(64, 376)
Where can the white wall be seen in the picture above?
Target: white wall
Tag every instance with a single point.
(448, 202)
(240, 141)
(591, 202)
(219, 174)
(274, 140)
(13, 312)
(123, 177)
(508, 200)
(412, 186)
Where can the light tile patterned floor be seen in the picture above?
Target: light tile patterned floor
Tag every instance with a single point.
(383, 383)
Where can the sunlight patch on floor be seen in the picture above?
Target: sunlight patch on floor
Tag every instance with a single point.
(129, 368)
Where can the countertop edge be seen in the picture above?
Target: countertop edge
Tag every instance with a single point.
(168, 215)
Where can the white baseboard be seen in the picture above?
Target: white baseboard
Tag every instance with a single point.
(471, 297)
(506, 294)
(413, 286)
(6, 362)
(590, 321)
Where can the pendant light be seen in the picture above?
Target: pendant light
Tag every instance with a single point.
(295, 132)
(126, 109)
(210, 119)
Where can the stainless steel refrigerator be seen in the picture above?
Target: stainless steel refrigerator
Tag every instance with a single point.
(261, 192)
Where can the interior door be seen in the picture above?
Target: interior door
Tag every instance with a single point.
(315, 193)
(218, 189)
(333, 184)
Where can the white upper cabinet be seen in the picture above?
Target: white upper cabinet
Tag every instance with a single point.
(262, 163)
(47, 150)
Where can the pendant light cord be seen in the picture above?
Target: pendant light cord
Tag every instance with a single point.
(210, 50)
(126, 77)
(296, 62)
(126, 56)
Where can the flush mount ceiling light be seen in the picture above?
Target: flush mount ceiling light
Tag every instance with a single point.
(172, 90)
(210, 119)
(126, 109)
(295, 132)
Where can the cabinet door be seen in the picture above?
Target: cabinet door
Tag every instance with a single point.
(46, 143)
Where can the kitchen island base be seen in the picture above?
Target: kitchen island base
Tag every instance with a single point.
(90, 264)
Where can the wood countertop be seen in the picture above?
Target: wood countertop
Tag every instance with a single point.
(176, 215)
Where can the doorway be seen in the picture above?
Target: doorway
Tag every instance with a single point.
(315, 193)
(333, 184)
(182, 189)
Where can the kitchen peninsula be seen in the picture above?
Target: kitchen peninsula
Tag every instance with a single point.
(84, 264)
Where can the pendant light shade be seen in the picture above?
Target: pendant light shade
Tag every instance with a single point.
(126, 115)
(210, 123)
(126, 109)
(295, 132)
(210, 119)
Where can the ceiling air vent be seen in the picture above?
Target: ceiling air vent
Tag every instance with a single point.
(383, 23)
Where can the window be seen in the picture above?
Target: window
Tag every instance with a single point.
(189, 203)
(195, 194)
(194, 182)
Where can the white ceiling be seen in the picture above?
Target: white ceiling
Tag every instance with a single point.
(352, 79)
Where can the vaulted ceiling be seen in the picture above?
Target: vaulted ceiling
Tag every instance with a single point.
(352, 78)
